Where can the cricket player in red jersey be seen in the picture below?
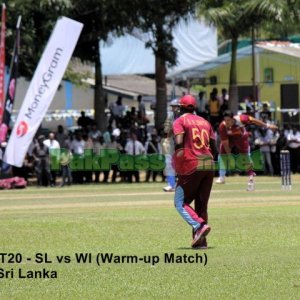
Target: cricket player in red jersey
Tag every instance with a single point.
(194, 150)
(233, 134)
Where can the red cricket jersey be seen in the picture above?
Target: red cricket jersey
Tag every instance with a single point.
(197, 133)
(236, 131)
(237, 134)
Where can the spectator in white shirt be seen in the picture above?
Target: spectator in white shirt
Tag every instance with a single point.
(134, 147)
(77, 147)
(117, 110)
(51, 143)
(264, 138)
(94, 133)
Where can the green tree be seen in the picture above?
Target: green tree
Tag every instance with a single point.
(159, 20)
(38, 19)
(99, 19)
(235, 18)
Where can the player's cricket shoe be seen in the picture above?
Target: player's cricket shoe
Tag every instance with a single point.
(200, 235)
(202, 246)
(168, 189)
(220, 180)
(250, 186)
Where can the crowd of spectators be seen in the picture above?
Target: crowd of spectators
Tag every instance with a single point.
(269, 142)
(129, 133)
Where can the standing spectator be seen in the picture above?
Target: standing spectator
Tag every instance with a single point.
(133, 115)
(202, 106)
(53, 146)
(293, 138)
(40, 155)
(134, 147)
(61, 137)
(152, 147)
(263, 140)
(65, 158)
(115, 145)
(77, 148)
(265, 115)
(141, 105)
(84, 121)
(224, 101)
(142, 122)
(214, 109)
(127, 121)
(117, 110)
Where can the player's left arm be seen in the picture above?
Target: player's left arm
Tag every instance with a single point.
(179, 141)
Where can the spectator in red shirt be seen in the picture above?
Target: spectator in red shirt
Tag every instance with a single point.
(194, 147)
(233, 134)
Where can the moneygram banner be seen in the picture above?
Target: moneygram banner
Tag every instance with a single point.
(42, 88)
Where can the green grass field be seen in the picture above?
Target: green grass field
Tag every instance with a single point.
(254, 245)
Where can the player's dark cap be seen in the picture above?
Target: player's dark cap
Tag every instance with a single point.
(228, 113)
(41, 137)
(174, 102)
(188, 101)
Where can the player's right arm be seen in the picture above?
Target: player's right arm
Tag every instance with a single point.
(250, 120)
(213, 147)
(224, 137)
(226, 146)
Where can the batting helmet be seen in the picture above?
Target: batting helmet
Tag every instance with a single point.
(188, 101)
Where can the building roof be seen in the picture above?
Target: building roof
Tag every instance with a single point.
(287, 48)
(199, 70)
(134, 85)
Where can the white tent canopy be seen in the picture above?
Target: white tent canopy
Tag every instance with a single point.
(194, 41)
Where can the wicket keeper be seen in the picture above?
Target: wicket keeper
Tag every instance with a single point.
(194, 146)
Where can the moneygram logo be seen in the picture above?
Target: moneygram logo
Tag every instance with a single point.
(22, 129)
